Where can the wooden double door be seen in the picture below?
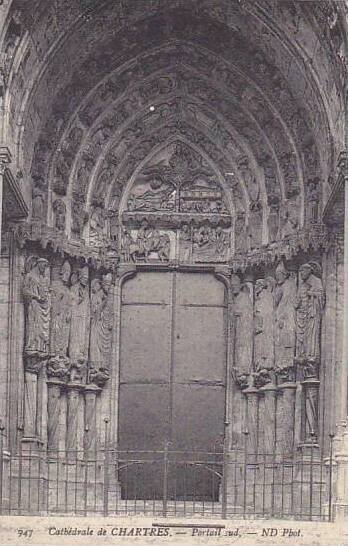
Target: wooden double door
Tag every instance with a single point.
(172, 385)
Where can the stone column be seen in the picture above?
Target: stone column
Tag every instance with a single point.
(311, 397)
(268, 419)
(90, 437)
(73, 395)
(5, 159)
(32, 370)
(53, 410)
(344, 375)
(286, 429)
(252, 396)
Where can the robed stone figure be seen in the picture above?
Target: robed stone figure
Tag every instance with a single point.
(61, 312)
(284, 317)
(242, 334)
(101, 322)
(264, 328)
(37, 307)
(309, 306)
(80, 319)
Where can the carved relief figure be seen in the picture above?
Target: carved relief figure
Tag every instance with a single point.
(60, 312)
(309, 306)
(101, 322)
(255, 225)
(210, 243)
(96, 227)
(273, 218)
(78, 216)
(264, 328)
(80, 319)
(37, 307)
(240, 242)
(289, 218)
(186, 243)
(284, 317)
(59, 211)
(38, 200)
(149, 240)
(242, 334)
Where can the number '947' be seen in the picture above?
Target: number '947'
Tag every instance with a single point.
(25, 533)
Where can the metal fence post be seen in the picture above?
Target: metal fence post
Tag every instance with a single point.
(165, 478)
(106, 469)
(224, 478)
(2, 428)
(330, 476)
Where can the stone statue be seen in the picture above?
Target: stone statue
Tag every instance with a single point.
(242, 335)
(96, 229)
(255, 225)
(284, 318)
(309, 306)
(37, 307)
(60, 312)
(80, 322)
(59, 210)
(264, 329)
(101, 321)
(38, 200)
(240, 242)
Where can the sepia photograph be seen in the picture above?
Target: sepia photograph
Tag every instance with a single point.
(173, 272)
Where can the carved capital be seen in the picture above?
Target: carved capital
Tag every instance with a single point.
(98, 377)
(240, 378)
(58, 367)
(33, 362)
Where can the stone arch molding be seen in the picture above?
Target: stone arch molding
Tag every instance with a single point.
(245, 107)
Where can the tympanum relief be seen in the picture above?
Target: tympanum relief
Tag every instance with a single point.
(176, 209)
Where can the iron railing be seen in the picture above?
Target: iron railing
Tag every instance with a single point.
(170, 482)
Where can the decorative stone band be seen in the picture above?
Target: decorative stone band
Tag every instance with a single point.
(316, 237)
(29, 232)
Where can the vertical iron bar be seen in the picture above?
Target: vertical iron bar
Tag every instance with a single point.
(85, 488)
(20, 471)
(224, 478)
(330, 478)
(311, 480)
(165, 480)
(1, 462)
(76, 480)
(245, 470)
(106, 467)
(264, 482)
(39, 481)
(29, 477)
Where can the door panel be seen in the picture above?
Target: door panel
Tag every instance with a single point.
(172, 383)
(198, 416)
(144, 416)
(145, 342)
(199, 350)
